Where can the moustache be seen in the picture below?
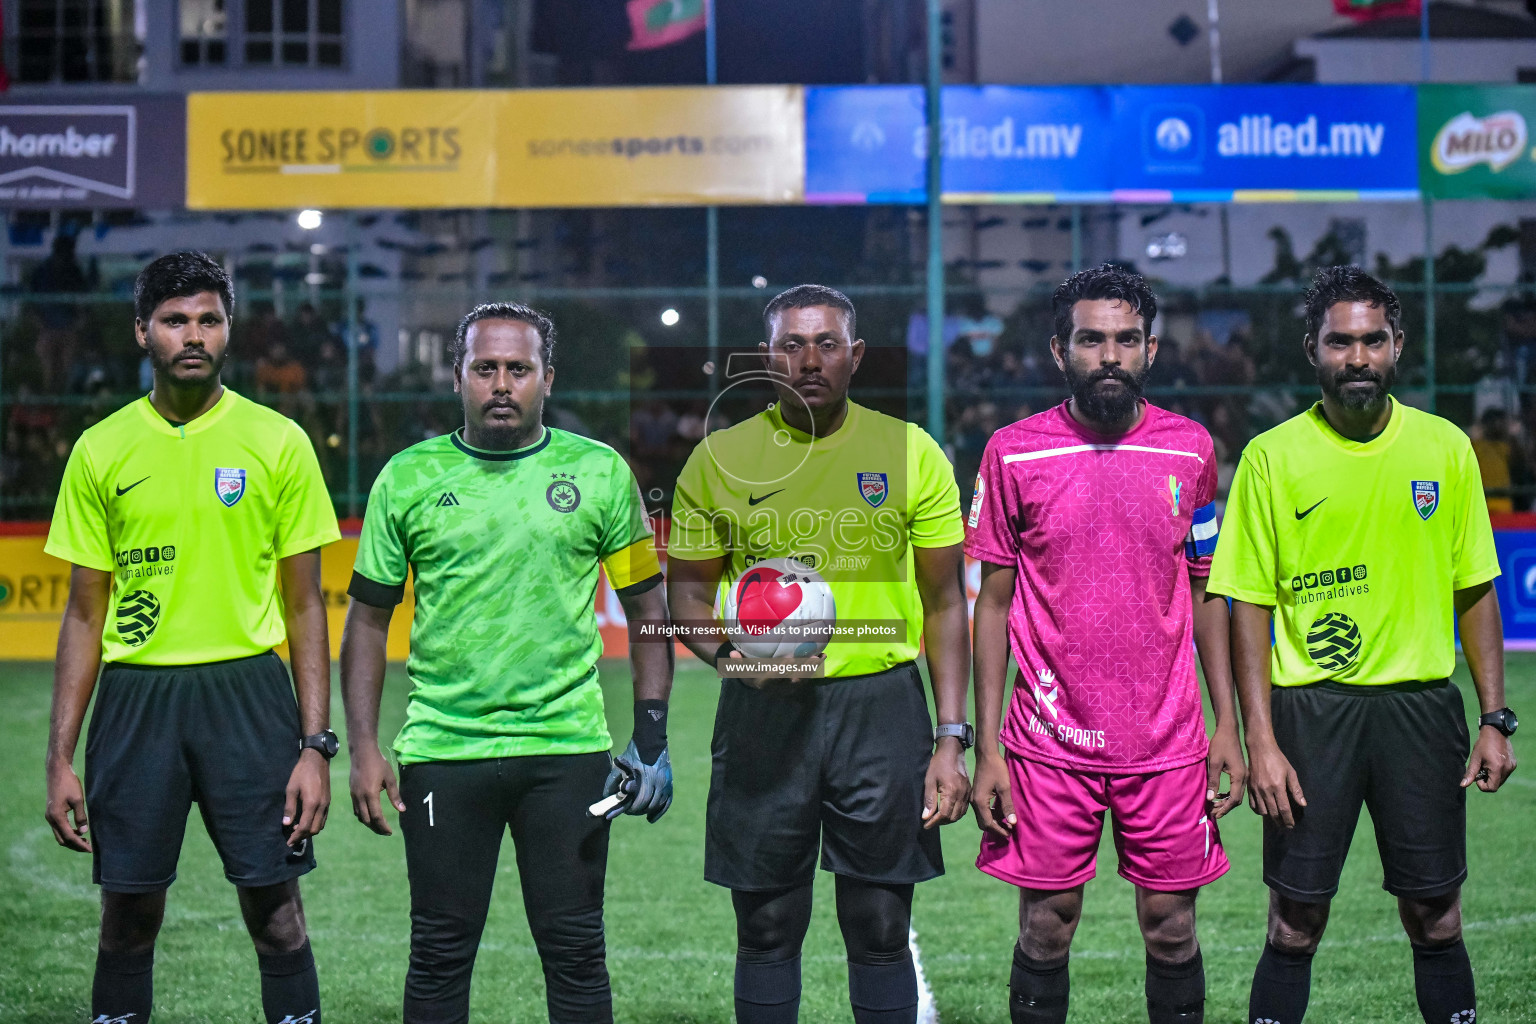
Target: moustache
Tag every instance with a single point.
(1110, 373)
(1347, 377)
(501, 403)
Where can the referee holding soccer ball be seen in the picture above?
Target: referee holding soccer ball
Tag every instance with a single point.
(1360, 529)
(846, 764)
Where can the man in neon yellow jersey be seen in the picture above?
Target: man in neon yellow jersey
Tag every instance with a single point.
(1359, 528)
(848, 762)
(193, 519)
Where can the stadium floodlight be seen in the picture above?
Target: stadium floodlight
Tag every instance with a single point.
(759, 281)
(309, 220)
(670, 317)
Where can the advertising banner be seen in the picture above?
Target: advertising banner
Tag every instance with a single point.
(1001, 144)
(1265, 143)
(35, 586)
(1124, 144)
(93, 155)
(1475, 141)
(285, 150)
(526, 148)
(643, 147)
(1516, 587)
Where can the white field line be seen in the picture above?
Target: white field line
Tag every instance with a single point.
(927, 1009)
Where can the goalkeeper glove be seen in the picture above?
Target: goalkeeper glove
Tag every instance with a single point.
(644, 770)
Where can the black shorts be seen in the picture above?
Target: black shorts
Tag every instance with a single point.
(1401, 751)
(225, 735)
(839, 764)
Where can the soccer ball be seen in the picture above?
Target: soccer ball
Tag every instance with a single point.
(779, 608)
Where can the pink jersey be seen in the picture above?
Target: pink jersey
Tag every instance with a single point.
(1104, 533)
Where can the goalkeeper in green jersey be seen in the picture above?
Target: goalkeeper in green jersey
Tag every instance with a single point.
(503, 525)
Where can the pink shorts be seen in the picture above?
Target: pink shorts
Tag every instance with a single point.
(1163, 830)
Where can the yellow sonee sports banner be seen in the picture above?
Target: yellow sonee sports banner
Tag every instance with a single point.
(34, 588)
(525, 148)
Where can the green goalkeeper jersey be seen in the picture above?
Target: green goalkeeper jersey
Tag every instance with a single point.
(504, 549)
(1358, 547)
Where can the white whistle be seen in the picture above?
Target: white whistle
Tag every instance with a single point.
(606, 804)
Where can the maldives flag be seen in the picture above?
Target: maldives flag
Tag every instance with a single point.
(657, 23)
(1369, 10)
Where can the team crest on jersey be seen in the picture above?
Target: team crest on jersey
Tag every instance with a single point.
(1174, 490)
(977, 498)
(563, 495)
(1426, 497)
(229, 485)
(873, 488)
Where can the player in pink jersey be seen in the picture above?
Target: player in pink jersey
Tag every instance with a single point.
(1095, 525)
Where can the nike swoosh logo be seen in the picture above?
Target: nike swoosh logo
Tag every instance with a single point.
(1302, 515)
(753, 500)
(124, 490)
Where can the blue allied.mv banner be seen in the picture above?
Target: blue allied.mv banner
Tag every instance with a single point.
(1264, 143)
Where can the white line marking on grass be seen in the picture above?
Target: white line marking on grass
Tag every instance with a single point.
(927, 1009)
(24, 862)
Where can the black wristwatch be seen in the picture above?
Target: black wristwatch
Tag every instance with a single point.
(965, 732)
(1503, 720)
(325, 742)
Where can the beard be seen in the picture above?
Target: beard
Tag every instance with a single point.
(504, 435)
(1114, 405)
(1333, 386)
(166, 366)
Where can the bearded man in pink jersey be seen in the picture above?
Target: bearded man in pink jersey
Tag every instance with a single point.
(1095, 526)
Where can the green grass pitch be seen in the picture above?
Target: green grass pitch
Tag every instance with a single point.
(670, 935)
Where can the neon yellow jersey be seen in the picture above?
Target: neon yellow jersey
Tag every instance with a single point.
(191, 521)
(1358, 546)
(852, 506)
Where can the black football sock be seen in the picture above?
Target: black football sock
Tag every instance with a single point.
(1037, 990)
(767, 991)
(124, 988)
(1442, 979)
(884, 992)
(290, 988)
(1176, 992)
(1282, 984)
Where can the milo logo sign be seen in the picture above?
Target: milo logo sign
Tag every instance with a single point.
(1475, 141)
(1465, 141)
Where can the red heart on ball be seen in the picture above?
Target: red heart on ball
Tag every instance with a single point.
(763, 600)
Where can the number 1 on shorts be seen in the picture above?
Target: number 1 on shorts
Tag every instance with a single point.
(431, 817)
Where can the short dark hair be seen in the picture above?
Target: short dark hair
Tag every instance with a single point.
(804, 296)
(1331, 285)
(180, 275)
(506, 311)
(1106, 281)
